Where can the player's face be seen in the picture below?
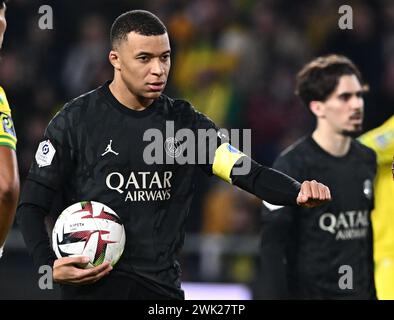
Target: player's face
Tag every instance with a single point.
(144, 64)
(343, 111)
(3, 22)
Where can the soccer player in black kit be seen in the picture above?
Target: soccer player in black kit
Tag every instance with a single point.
(93, 149)
(306, 251)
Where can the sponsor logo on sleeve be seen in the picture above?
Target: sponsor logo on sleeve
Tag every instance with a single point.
(45, 153)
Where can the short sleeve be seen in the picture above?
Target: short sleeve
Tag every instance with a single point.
(7, 129)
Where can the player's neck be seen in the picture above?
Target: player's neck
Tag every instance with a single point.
(334, 143)
(125, 97)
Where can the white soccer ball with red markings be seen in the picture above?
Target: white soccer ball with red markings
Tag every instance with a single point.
(90, 229)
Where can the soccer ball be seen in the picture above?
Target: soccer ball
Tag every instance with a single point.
(90, 229)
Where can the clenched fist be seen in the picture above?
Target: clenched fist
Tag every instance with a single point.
(313, 194)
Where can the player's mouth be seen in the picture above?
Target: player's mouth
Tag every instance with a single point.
(156, 86)
(356, 118)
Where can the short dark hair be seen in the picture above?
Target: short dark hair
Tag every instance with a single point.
(140, 21)
(318, 79)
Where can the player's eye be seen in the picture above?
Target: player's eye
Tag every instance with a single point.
(143, 58)
(165, 57)
(345, 96)
(360, 94)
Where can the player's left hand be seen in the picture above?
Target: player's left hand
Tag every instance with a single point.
(313, 194)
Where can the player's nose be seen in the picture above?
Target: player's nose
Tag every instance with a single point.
(157, 67)
(357, 103)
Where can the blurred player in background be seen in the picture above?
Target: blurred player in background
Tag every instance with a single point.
(303, 249)
(381, 140)
(96, 141)
(9, 177)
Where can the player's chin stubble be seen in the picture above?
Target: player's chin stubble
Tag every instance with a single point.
(353, 133)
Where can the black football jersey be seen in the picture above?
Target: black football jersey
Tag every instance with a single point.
(307, 251)
(96, 149)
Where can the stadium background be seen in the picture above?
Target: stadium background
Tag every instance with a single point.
(235, 60)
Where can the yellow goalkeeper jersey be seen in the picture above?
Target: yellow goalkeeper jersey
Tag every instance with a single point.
(7, 130)
(381, 140)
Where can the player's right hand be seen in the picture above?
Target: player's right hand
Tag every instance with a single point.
(69, 270)
(313, 194)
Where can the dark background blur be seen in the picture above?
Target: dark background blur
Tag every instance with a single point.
(235, 60)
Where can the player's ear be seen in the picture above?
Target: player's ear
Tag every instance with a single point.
(317, 108)
(113, 57)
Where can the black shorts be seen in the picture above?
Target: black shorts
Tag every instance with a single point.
(111, 287)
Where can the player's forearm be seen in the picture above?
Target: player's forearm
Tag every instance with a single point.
(268, 184)
(31, 220)
(9, 190)
(36, 201)
(8, 201)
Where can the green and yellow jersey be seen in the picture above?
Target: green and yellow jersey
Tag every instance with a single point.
(381, 140)
(7, 130)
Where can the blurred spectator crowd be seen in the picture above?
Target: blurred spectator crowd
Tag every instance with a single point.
(235, 60)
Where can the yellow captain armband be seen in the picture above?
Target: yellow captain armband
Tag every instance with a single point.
(225, 158)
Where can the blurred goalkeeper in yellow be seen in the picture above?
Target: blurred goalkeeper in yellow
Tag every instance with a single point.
(381, 140)
(9, 177)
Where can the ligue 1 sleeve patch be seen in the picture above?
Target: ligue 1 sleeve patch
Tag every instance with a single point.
(45, 153)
